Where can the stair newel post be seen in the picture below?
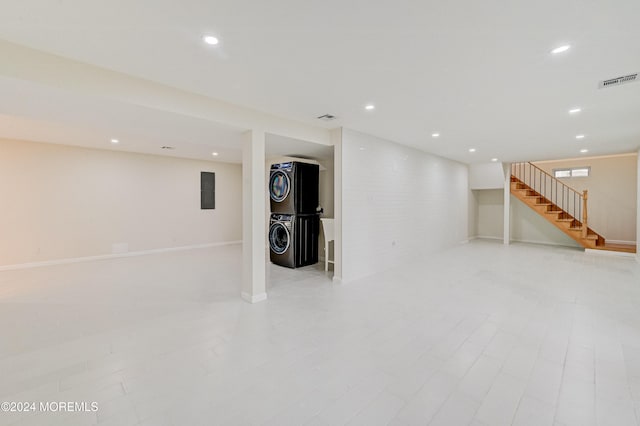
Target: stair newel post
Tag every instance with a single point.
(585, 220)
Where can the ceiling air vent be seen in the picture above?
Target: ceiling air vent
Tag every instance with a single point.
(168, 147)
(618, 81)
(327, 117)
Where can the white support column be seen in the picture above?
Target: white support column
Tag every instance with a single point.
(254, 251)
(638, 212)
(507, 203)
(336, 139)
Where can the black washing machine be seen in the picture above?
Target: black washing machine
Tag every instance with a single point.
(293, 239)
(293, 187)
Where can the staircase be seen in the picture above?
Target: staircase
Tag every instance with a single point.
(558, 203)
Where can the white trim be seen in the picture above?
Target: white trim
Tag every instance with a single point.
(254, 298)
(547, 243)
(628, 243)
(482, 237)
(544, 243)
(337, 280)
(610, 253)
(112, 256)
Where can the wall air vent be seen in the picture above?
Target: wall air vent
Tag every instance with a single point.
(618, 81)
(327, 117)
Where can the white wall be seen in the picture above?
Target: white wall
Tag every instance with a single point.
(638, 207)
(472, 208)
(612, 187)
(66, 202)
(326, 198)
(398, 204)
(486, 176)
(489, 213)
(530, 227)
(326, 194)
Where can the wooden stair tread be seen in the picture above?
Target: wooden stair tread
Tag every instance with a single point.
(543, 204)
(566, 220)
(554, 212)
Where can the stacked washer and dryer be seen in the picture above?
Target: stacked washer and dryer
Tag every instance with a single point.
(294, 224)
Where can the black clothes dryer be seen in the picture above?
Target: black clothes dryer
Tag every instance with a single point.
(293, 239)
(293, 187)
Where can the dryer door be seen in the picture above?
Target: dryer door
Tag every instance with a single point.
(279, 186)
(279, 238)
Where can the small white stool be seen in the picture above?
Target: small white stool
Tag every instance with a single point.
(328, 231)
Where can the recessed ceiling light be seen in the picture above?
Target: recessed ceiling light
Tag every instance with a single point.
(472, 150)
(584, 150)
(575, 110)
(579, 136)
(561, 49)
(435, 135)
(361, 149)
(211, 40)
(115, 141)
(370, 107)
(494, 160)
(215, 154)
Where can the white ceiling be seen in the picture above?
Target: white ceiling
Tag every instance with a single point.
(479, 73)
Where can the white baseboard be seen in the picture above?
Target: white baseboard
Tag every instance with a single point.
(546, 243)
(112, 256)
(254, 298)
(610, 253)
(483, 237)
(628, 243)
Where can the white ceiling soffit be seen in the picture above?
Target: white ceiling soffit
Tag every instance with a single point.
(21, 128)
(479, 73)
(44, 114)
(281, 146)
(41, 114)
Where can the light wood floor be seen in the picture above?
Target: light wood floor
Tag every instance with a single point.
(624, 248)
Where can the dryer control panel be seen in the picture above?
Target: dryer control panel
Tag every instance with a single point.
(282, 166)
(282, 217)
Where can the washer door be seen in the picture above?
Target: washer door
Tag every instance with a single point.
(279, 238)
(279, 186)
